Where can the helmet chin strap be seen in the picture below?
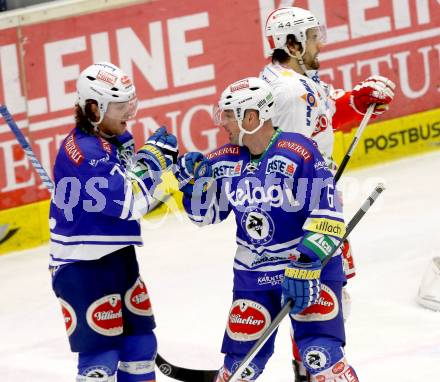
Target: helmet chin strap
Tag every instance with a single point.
(299, 57)
(96, 128)
(243, 131)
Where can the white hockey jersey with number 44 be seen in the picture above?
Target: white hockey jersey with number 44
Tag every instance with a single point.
(302, 105)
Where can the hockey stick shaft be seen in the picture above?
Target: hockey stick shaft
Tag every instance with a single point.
(45, 178)
(286, 309)
(355, 141)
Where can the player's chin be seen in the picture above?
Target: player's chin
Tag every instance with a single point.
(122, 127)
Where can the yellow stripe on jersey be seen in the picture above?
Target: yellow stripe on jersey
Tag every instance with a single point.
(325, 226)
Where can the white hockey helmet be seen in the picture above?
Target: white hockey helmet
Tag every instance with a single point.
(290, 20)
(106, 83)
(250, 93)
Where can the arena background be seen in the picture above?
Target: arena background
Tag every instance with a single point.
(181, 55)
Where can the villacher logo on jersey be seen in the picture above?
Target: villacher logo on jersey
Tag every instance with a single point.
(105, 315)
(247, 320)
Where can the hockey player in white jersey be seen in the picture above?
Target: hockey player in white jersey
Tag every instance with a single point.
(307, 105)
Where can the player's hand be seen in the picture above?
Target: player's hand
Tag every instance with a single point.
(161, 149)
(302, 284)
(125, 147)
(374, 90)
(191, 167)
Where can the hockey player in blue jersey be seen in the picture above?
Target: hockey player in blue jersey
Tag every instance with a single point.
(102, 190)
(281, 192)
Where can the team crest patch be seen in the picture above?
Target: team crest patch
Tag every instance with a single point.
(258, 225)
(97, 373)
(325, 309)
(104, 315)
(247, 320)
(69, 316)
(317, 358)
(137, 300)
(251, 372)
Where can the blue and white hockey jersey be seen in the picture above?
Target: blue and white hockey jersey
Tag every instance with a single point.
(283, 203)
(97, 203)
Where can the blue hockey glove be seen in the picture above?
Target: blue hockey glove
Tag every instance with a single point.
(191, 167)
(160, 151)
(125, 147)
(301, 284)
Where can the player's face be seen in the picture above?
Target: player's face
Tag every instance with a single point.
(314, 44)
(117, 115)
(230, 124)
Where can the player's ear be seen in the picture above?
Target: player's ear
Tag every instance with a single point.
(252, 117)
(293, 45)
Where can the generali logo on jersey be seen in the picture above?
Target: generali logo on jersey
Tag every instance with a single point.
(69, 316)
(227, 150)
(247, 320)
(137, 299)
(295, 148)
(325, 309)
(105, 315)
(72, 150)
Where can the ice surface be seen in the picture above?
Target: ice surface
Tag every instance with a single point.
(188, 271)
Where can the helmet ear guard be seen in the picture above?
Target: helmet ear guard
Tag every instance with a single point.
(104, 83)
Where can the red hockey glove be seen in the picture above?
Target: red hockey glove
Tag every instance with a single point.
(375, 89)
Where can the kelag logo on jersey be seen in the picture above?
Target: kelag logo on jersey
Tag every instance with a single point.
(227, 169)
(274, 195)
(282, 165)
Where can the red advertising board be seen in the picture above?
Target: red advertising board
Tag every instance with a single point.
(181, 54)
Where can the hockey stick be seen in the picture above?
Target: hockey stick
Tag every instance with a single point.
(355, 141)
(183, 374)
(191, 375)
(286, 309)
(45, 178)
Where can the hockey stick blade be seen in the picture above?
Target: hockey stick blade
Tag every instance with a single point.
(286, 309)
(182, 374)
